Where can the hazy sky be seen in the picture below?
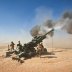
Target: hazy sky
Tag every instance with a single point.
(17, 17)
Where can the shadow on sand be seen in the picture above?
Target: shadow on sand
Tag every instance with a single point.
(59, 51)
(48, 57)
(48, 53)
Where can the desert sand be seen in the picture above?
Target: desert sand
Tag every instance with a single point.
(59, 61)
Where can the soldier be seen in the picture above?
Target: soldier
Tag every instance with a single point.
(19, 46)
(12, 45)
(40, 49)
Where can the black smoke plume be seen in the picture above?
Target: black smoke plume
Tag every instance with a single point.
(35, 30)
(68, 22)
(49, 24)
(67, 15)
(42, 29)
(65, 23)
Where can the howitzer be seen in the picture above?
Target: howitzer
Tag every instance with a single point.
(28, 48)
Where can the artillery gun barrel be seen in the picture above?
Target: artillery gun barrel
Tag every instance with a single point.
(49, 32)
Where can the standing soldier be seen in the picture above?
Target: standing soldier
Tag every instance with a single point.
(19, 46)
(12, 46)
(40, 49)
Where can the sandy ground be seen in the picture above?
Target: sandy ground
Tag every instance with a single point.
(59, 61)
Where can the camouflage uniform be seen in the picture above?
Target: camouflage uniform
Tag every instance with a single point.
(40, 49)
(12, 46)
